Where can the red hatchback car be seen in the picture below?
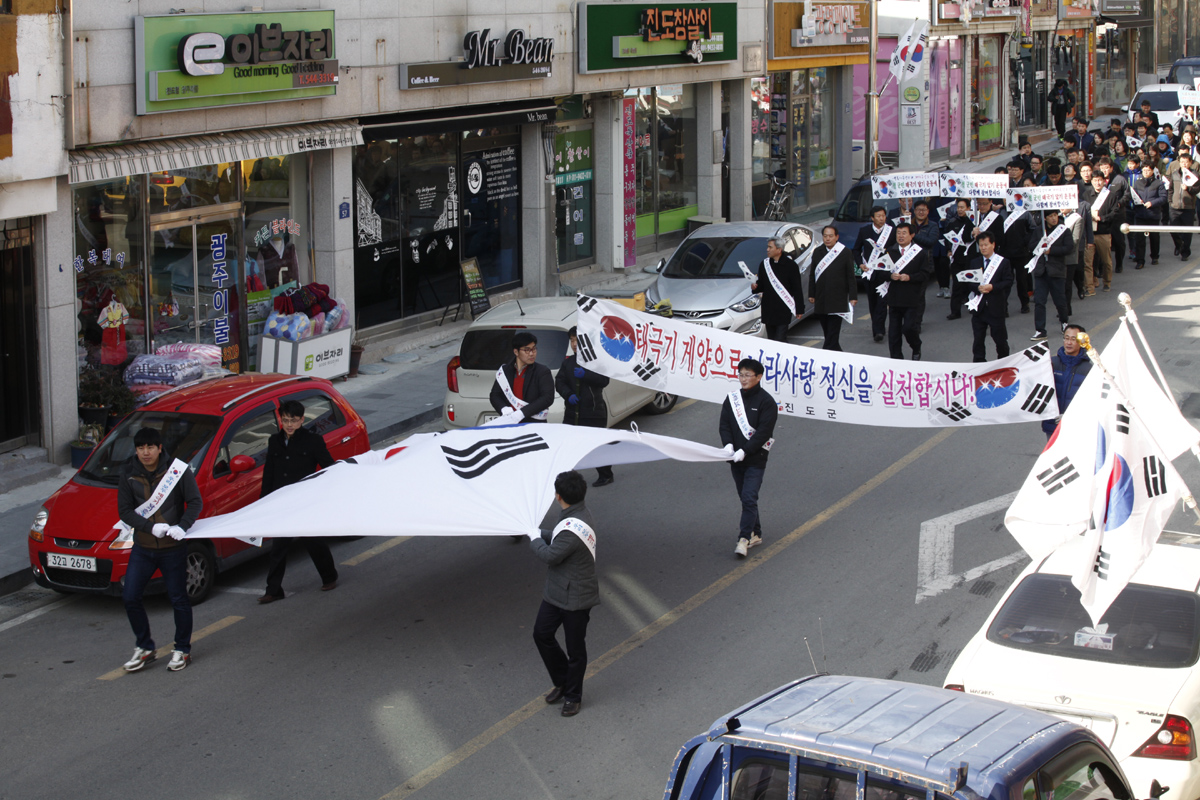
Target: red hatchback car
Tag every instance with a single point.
(220, 428)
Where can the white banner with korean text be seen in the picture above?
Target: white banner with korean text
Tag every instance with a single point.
(972, 185)
(681, 358)
(904, 184)
(1042, 198)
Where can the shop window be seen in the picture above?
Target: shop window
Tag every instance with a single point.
(760, 127)
(988, 127)
(665, 158)
(573, 194)
(193, 187)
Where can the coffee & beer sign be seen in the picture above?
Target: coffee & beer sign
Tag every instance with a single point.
(486, 59)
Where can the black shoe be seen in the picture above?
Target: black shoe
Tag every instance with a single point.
(916, 356)
(1119, 269)
(954, 316)
(1154, 262)
(1024, 309)
(879, 337)
(555, 695)
(571, 708)
(1139, 266)
(269, 598)
(1176, 251)
(603, 481)
(1185, 256)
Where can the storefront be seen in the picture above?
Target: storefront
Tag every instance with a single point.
(987, 79)
(945, 98)
(1124, 48)
(19, 374)
(664, 155)
(574, 185)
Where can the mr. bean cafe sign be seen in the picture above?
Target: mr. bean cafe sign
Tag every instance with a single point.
(619, 36)
(188, 61)
(486, 59)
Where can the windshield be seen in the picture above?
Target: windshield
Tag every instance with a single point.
(185, 436)
(716, 257)
(488, 349)
(1147, 625)
(1159, 101)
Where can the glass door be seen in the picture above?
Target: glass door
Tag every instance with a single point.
(491, 207)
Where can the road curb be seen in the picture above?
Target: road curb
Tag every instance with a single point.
(16, 581)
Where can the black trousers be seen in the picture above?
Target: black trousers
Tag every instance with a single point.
(979, 327)
(776, 333)
(1024, 279)
(566, 669)
(1183, 216)
(1139, 246)
(904, 321)
(941, 268)
(318, 551)
(831, 326)
(1118, 246)
(879, 312)
(602, 472)
(1060, 122)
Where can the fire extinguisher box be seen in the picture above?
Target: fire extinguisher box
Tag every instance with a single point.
(324, 356)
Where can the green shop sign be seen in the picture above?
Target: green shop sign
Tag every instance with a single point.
(188, 61)
(620, 36)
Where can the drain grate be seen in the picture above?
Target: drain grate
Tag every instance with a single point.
(21, 598)
(982, 588)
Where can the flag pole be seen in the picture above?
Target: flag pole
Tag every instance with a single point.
(1094, 356)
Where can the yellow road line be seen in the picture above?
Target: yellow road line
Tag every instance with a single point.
(374, 551)
(165, 650)
(451, 760)
(682, 404)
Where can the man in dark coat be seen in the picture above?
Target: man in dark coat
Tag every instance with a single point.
(1050, 276)
(572, 591)
(1017, 245)
(1071, 365)
(993, 300)
(1183, 200)
(1120, 187)
(832, 288)
(524, 389)
(777, 315)
(960, 256)
(583, 392)
(747, 425)
(158, 531)
(1062, 103)
(294, 453)
(877, 235)
(1153, 194)
(906, 293)
(928, 234)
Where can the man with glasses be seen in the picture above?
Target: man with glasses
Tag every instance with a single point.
(748, 418)
(523, 389)
(1071, 366)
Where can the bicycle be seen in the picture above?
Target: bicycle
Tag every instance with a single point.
(781, 200)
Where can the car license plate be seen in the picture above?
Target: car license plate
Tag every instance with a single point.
(80, 563)
(489, 417)
(704, 323)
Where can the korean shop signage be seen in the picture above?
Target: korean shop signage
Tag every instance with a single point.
(486, 59)
(800, 26)
(619, 36)
(188, 61)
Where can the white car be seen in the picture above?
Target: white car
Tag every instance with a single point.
(488, 343)
(1135, 685)
(1164, 101)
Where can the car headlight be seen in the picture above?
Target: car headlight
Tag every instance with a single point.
(37, 531)
(749, 304)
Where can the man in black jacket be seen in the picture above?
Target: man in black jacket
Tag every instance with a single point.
(1153, 195)
(523, 389)
(960, 256)
(1120, 187)
(832, 288)
(873, 238)
(583, 392)
(993, 299)
(906, 292)
(1062, 103)
(159, 500)
(779, 272)
(294, 453)
(1050, 276)
(748, 419)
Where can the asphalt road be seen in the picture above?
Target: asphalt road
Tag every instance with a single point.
(417, 676)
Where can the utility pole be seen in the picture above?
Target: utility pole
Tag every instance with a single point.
(872, 95)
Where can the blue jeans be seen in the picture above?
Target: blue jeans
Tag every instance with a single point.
(173, 565)
(748, 479)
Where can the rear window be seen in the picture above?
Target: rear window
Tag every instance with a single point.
(857, 204)
(1148, 626)
(1159, 101)
(488, 349)
(718, 257)
(1184, 73)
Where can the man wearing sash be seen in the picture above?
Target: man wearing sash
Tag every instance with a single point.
(1050, 273)
(523, 389)
(989, 305)
(906, 294)
(1104, 211)
(1149, 197)
(748, 419)
(157, 497)
(583, 392)
(1184, 181)
(779, 282)
(572, 590)
(832, 288)
(873, 241)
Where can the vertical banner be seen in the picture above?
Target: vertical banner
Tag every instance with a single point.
(629, 181)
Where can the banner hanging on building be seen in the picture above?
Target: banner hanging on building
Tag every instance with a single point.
(693, 361)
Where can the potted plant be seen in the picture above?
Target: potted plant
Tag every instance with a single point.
(83, 445)
(93, 397)
(121, 402)
(356, 351)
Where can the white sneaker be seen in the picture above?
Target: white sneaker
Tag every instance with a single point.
(755, 540)
(139, 660)
(742, 547)
(1038, 336)
(179, 660)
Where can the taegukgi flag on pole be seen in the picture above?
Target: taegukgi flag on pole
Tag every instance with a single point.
(916, 51)
(701, 362)
(900, 54)
(1055, 503)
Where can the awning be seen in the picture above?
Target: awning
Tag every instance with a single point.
(110, 163)
(443, 119)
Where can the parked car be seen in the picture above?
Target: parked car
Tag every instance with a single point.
(705, 285)
(1136, 685)
(831, 737)
(1164, 101)
(1185, 71)
(220, 428)
(488, 343)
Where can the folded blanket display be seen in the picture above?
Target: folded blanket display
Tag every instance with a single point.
(172, 370)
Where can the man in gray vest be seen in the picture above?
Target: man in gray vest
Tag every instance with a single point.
(572, 589)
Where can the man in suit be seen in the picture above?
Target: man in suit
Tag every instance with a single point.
(747, 425)
(523, 389)
(960, 256)
(832, 288)
(906, 292)
(572, 591)
(583, 392)
(294, 453)
(878, 235)
(1050, 276)
(993, 300)
(778, 308)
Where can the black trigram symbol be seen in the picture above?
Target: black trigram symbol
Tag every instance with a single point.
(1105, 388)
(1122, 419)
(647, 371)
(586, 351)
(585, 303)
(1058, 476)
(1037, 352)
(1155, 473)
(956, 412)
(1103, 564)
(473, 461)
(1038, 399)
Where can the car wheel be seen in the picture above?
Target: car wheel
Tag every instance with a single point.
(662, 403)
(201, 572)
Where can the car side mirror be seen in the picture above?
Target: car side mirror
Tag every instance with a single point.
(241, 464)
(832, 213)
(1124, 109)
